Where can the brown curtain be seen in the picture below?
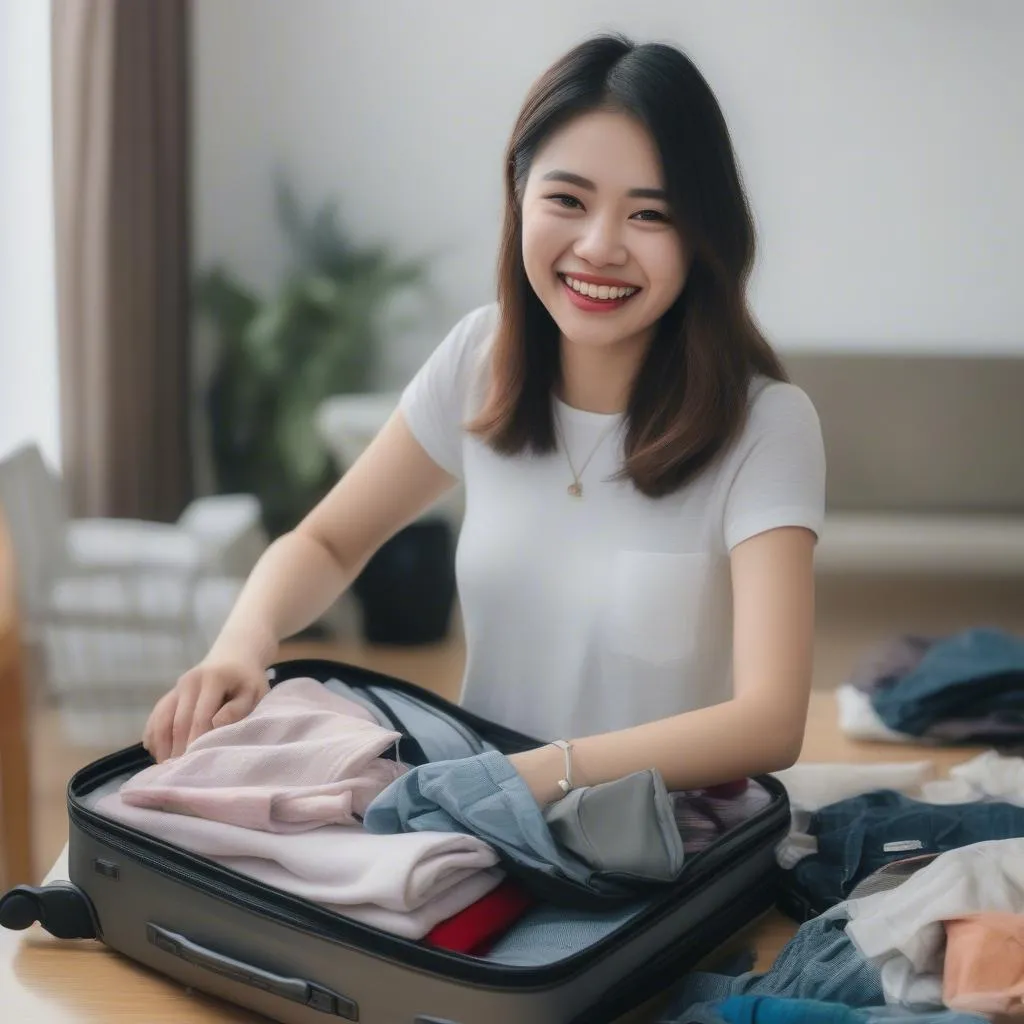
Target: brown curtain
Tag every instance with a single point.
(120, 150)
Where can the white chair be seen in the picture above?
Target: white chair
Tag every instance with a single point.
(117, 609)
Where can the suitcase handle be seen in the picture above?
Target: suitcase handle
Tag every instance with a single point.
(298, 990)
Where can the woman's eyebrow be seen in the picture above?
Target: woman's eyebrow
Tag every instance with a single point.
(571, 178)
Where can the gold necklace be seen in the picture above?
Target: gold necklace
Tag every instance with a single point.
(575, 489)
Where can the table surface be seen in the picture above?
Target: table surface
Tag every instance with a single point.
(44, 979)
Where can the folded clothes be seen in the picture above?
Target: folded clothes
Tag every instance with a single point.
(626, 827)
(703, 816)
(302, 758)
(485, 796)
(989, 776)
(883, 665)
(812, 787)
(891, 876)
(475, 929)
(548, 933)
(859, 720)
(903, 931)
(984, 966)
(857, 837)
(404, 884)
(969, 685)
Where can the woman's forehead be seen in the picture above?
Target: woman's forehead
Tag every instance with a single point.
(610, 150)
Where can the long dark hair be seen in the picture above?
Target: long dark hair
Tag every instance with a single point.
(689, 398)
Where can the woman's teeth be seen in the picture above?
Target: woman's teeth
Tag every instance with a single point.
(597, 291)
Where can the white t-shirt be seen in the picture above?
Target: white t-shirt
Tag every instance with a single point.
(586, 615)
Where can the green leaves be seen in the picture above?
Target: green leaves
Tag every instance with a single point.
(280, 356)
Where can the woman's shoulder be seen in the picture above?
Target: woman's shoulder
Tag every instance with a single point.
(472, 334)
(466, 352)
(773, 404)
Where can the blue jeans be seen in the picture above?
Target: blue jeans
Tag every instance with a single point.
(819, 963)
(853, 835)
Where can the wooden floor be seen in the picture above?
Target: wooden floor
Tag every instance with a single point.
(852, 614)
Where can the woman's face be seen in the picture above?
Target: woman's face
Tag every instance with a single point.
(599, 245)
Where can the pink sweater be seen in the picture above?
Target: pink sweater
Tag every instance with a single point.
(303, 758)
(405, 884)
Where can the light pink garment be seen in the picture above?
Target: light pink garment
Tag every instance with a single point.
(405, 883)
(984, 967)
(304, 757)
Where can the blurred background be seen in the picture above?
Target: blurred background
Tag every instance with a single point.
(233, 229)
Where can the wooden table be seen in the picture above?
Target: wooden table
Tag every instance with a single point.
(45, 980)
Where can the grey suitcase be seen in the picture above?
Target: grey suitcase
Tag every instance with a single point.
(222, 933)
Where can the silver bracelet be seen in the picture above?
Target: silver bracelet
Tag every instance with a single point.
(565, 785)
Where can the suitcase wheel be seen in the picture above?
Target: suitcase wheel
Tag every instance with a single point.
(61, 908)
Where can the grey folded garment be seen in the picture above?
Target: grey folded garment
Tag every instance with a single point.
(604, 839)
(625, 827)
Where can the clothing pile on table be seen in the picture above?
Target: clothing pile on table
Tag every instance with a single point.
(910, 887)
(312, 794)
(963, 688)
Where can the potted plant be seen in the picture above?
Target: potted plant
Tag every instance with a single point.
(278, 358)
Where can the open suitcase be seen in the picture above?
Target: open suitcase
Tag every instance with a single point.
(296, 962)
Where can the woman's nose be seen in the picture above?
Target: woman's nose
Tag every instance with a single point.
(600, 243)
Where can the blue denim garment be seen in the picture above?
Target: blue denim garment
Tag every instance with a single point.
(773, 1010)
(819, 962)
(853, 836)
(483, 796)
(973, 674)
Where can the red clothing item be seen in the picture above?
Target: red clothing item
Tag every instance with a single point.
(474, 929)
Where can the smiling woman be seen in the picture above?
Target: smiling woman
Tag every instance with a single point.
(590, 236)
(643, 486)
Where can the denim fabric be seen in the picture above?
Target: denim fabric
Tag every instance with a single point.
(548, 934)
(883, 666)
(819, 962)
(853, 835)
(771, 1010)
(973, 674)
(486, 797)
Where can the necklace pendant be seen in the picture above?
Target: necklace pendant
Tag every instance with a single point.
(575, 490)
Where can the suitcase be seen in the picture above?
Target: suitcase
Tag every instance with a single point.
(222, 933)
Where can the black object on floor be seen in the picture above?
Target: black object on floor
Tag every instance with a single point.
(407, 589)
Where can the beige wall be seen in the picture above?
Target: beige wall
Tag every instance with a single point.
(927, 434)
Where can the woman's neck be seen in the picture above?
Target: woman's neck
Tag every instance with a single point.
(599, 379)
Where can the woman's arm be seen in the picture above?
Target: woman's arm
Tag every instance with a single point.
(297, 578)
(761, 728)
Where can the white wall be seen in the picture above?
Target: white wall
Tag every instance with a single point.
(28, 333)
(881, 143)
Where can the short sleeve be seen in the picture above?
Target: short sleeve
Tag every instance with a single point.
(779, 479)
(438, 401)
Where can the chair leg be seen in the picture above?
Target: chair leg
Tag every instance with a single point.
(15, 782)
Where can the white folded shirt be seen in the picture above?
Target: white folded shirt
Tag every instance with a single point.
(901, 930)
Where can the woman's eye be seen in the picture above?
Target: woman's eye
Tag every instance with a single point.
(654, 216)
(569, 202)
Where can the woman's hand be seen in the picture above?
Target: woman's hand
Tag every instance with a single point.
(222, 689)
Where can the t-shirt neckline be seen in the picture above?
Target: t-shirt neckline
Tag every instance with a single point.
(570, 414)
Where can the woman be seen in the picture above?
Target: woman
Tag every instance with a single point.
(644, 488)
